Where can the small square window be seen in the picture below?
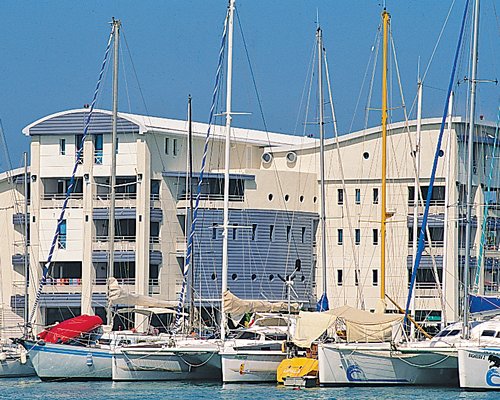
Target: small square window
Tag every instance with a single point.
(175, 149)
(358, 196)
(62, 147)
(340, 237)
(167, 146)
(340, 277)
(340, 197)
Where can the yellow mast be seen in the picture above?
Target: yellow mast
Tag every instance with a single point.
(385, 18)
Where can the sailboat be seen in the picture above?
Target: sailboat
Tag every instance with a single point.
(78, 348)
(370, 352)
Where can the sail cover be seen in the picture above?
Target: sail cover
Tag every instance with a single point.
(237, 306)
(484, 304)
(361, 326)
(120, 295)
(71, 328)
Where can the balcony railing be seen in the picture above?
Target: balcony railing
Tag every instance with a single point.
(118, 238)
(433, 203)
(61, 196)
(214, 197)
(121, 281)
(435, 243)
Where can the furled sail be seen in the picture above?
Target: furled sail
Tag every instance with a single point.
(237, 306)
(120, 295)
(361, 326)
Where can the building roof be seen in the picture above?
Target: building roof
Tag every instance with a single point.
(147, 124)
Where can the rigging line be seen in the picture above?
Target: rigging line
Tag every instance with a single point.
(122, 65)
(148, 114)
(421, 239)
(309, 68)
(374, 50)
(438, 40)
(71, 185)
(486, 208)
(341, 168)
(415, 171)
(187, 262)
(261, 111)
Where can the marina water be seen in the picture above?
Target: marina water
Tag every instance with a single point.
(33, 388)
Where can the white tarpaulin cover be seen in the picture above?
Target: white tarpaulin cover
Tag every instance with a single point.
(361, 326)
(119, 295)
(237, 306)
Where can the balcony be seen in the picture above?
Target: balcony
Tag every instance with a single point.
(426, 290)
(180, 247)
(122, 200)
(154, 286)
(56, 200)
(121, 243)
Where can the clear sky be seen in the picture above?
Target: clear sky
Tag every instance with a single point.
(51, 53)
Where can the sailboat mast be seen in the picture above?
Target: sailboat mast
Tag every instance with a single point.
(385, 19)
(319, 36)
(416, 195)
(225, 233)
(112, 181)
(470, 153)
(26, 253)
(191, 206)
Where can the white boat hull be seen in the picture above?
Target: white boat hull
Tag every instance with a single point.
(251, 366)
(15, 365)
(166, 364)
(479, 368)
(380, 365)
(66, 362)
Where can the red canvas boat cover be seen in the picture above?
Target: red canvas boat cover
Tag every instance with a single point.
(64, 331)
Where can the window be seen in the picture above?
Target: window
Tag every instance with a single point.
(98, 147)
(357, 236)
(340, 197)
(234, 231)
(167, 146)
(116, 146)
(175, 148)
(61, 239)
(288, 232)
(62, 147)
(254, 231)
(375, 277)
(339, 277)
(214, 231)
(356, 277)
(375, 195)
(271, 233)
(303, 234)
(375, 237)
(79, 148)
(340, 236)
(357, 198)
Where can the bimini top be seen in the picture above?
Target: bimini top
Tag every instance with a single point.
(70, 329)
(72, 122)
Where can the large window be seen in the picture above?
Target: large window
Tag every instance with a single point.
(438, 193)
(61, 238)
(98, 148)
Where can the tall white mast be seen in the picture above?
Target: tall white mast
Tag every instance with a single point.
(416, 191)
(447, 186)
(225, 232)
(26, 252)
(319, 37)
(470, 153)
(112, 181)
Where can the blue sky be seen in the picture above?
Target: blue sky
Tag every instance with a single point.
(52, 50)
